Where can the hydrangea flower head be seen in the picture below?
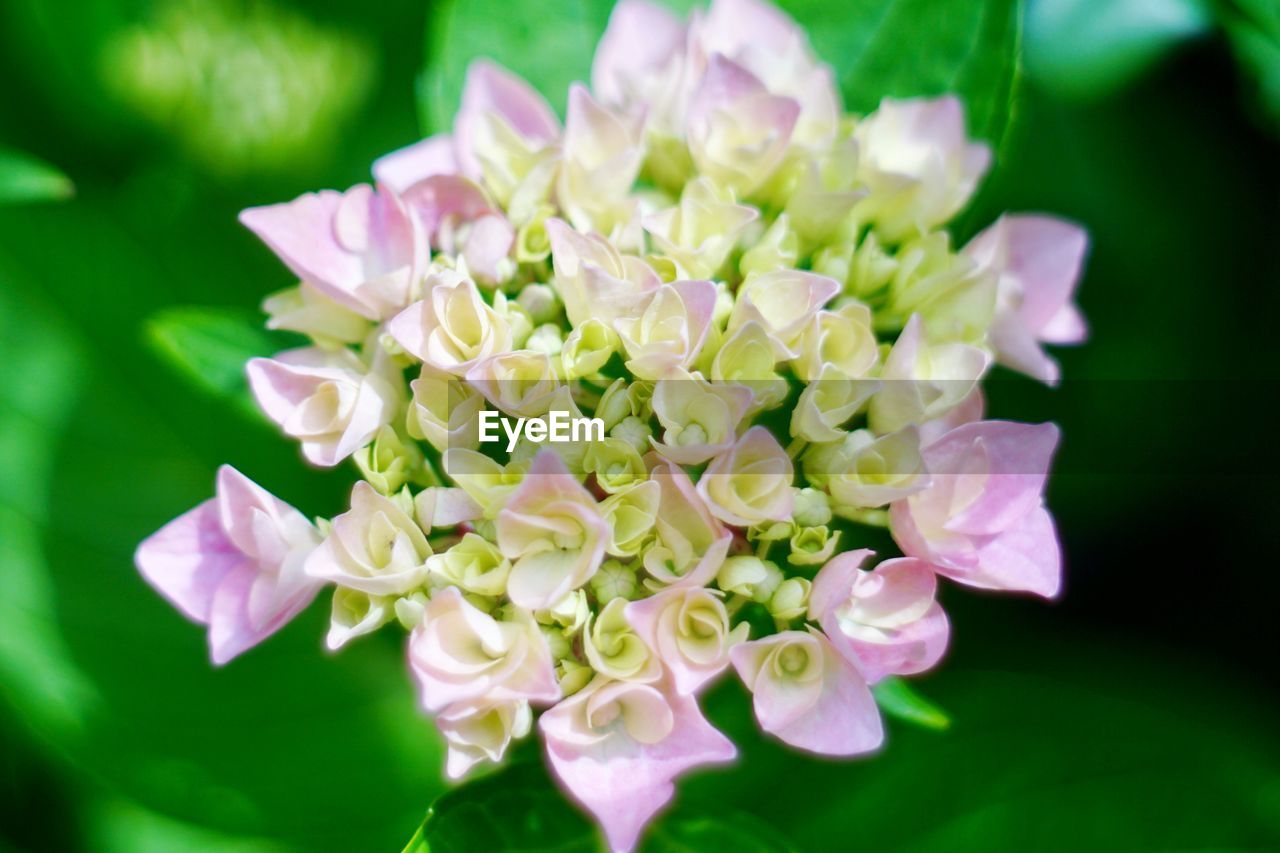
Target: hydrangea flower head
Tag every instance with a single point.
(749, 300)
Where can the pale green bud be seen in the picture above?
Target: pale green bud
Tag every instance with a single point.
(540, 302)
(614, 580)
(588, 348)
(568, 614)
(771, 531)
(749, 576)
(474, 564)
(954, 297)
(558, 643)
(573, 675)
(409, 610)
(388, 462)
(812, 508)
(532, 243)
(631, 515)
(355, 614)
(546, 338)
(615, 462)
(778, 248)
(791, 599)
(813, 546)
(634, 432)
(614, 405)
(614, 649)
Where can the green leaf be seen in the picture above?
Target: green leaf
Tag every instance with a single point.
(1253, 26)
(211, 346)
(897, 698)
(906, 48)
(1091, 48)
(521, 808)
(24, 178)
(517, 808)
(285, 743)
(36, 670)
(879, 48)
(1097, 749)
(549, 44)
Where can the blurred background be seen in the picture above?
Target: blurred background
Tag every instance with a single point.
(1138, 712)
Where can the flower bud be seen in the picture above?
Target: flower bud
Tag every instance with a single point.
(634, 432)
(546, 338)
(615, 462)
(614, 580)
(777, 249)
(614, 649)
(588, 348)
(791, 599)
(812, 546)
(532, 243)
(474, 564)
(749, 576)
(389, 461)
(355, 613)
(812, 508)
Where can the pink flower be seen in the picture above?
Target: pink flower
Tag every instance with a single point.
(1037, 260)
(593, 279)
(807, 695)
(738, 131)
(688, 628)
(326, 400)
(642, 40)
(491, 96)
(617, 746)
(982, 522)
(692, 543)
(500, 115)
(885, 621)
(234, 563)
(460, 654)
(552, 531)
(360, 248)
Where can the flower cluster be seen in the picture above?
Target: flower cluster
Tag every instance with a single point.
(756, 296)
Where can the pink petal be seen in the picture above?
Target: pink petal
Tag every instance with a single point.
(1017, 460)
(838, 717)
(302, 235)
(188, 558)
(1026, 558)
(834, 580)
(407, 166)
(622, 781)
(490, 88)
(640, 39)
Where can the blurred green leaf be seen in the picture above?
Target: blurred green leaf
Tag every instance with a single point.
(878, 47)
(40, 679)
(897, 698)
(687, 831)
(517, 808)
(1092, 747)
(1091, 48)
(906, 48)
(24, 178)
(521, 808)
(286, 743)
(549, 44)
(1253, 27)
(211, 346)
